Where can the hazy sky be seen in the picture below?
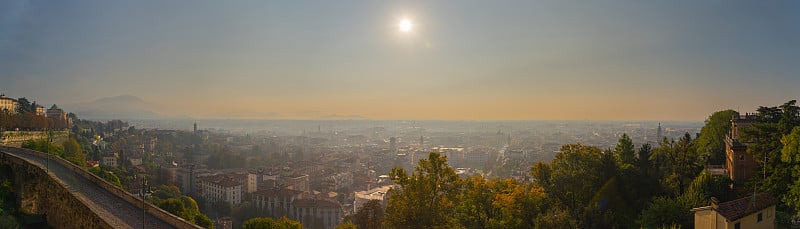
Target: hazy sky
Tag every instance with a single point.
(588, 60)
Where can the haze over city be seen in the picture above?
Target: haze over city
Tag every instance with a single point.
(444, 60)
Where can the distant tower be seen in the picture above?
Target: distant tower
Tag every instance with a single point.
(393, 143)
(658, 133)
(421, 141)
(195, 127)
(509, 139)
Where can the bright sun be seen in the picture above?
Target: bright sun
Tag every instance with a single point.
(405, 25)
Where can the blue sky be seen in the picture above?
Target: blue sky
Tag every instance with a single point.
(606, 60)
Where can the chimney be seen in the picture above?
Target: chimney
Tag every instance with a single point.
(714, 203)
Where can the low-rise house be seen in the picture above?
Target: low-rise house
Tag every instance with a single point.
(757, 211)
(135, 161)
(109, 160)
(379, 193)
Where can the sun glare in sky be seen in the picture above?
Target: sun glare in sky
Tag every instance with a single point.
(405, 25)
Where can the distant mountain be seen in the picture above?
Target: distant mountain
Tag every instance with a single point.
(117, 107)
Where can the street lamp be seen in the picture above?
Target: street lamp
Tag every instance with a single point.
(144, 205)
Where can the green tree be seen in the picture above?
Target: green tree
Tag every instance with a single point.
(347, 225)
(106, 175)
(203, 221)
(664, 211)
(644, 159)
(576, 175)
(427, 198)
(711, 142)
(370, 215)
(764, 139)
(791, 154)
(174, 206)
(625, 150)
(23, 105)
(73, 152)
(269, 223)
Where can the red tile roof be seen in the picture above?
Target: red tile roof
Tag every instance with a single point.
(736, 209)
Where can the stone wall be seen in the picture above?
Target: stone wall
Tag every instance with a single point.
(38, 193)
(15, 138)
(39, 202)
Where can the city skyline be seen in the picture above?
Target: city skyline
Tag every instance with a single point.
(465, 60)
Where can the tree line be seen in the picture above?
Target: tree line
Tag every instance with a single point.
(652, 186)
(25, 118)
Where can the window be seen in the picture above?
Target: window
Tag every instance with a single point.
(737, 226)
(760, 217)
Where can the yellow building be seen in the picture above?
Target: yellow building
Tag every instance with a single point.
(8, 104)
(40, 111)
(757, 211)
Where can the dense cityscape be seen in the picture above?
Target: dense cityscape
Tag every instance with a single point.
(347, 172)
(233, 173)
(353, 114)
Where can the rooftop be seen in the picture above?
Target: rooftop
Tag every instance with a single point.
(736, 209)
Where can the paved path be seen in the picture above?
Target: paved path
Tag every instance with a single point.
(116, 211)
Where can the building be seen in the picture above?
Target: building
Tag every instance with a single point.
(379, 193)
(317, 213)
(275, 202)
(109, 160)
(221, 188)
(135, 161)
(740, 164)
(224, 223)
(184, 177)
(56, 113)
(8, 104)
(757, 211)
(40, 111)
(338, 181)
(299, 182)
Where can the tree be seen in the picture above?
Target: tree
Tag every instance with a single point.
(664, 211)
(174, 206)
(644, 159)
(370, 215)
(74, 153)
(347, 225)
(23, 105)
(204, 221)
(427, 198)
(576, 175)
(711, 142)
(108, 176)
(791, 154)
(625, 150)
(764, 139)
(269, 223)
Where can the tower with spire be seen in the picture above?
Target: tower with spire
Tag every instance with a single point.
(658, 133)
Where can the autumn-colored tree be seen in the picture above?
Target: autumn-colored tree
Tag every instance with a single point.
(425, 199)
(269, 223)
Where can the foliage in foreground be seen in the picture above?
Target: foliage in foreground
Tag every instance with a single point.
(269, 223)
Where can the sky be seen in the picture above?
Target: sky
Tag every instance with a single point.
(463, 60)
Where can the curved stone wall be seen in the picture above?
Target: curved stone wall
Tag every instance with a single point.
(44, 193)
